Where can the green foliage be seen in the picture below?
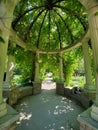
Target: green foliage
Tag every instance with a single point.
(49, 63)
(23, 61)
(11, 49)
(77, 81)
(70, 64)
(17, 79)
(3, 1)
(50, 29)
(1, 39)
(96, 13)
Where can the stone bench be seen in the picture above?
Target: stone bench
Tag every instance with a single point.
(25, 91)
(79, 96)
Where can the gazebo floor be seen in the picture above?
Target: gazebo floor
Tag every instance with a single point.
(48, 111)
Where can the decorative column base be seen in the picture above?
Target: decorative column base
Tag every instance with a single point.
(94, 112)
(3, 109)
(86, 121)
(36, 88)
(90, 91)
(8, 121)
(60, 88)
(11, 94)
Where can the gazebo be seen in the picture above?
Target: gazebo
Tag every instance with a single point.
(47, 19)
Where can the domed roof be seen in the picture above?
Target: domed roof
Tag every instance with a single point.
(50, 24)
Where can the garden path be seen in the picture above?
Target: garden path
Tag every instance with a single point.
(48, 111)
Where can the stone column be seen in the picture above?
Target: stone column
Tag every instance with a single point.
(9, 73)
(37, 83)
(60, 67)
(10, 65)
(89, 87)
(60, 83)
(6, 16)
(93, 23)
(92, 9)
(37, 67)
(10, 90)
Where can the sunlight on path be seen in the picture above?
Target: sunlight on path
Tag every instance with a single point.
(48, 111)
(48, 84)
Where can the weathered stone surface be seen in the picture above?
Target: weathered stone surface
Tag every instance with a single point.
(60, 88)
(14, 94)
(67, 91)
(94, 112)
(36, 88)
(86, 121)
(3, 109)
(8, 121)
(11, 95)
(79, 96)
(25, 91)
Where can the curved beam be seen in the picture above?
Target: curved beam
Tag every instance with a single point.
(19, 42)
(16, 39)
(76, 44)
(88, 4)
(84, 2)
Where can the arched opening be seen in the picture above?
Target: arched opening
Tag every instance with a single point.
(49, 27)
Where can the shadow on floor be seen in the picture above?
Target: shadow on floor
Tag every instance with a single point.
(48, 111)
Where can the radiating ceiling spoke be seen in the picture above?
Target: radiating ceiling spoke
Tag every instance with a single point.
(30, 26)
(57, 1)
(66, 26)
(72, 14)
(39, 34)
(23, 14)
(58, 31)
(49, 28)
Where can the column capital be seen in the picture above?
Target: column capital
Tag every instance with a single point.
(88, 3)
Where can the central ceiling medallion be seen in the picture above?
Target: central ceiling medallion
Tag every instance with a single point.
(49, 4)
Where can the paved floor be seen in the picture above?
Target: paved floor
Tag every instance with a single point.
(48, 111)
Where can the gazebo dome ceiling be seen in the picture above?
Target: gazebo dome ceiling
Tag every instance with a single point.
(49, 4)
(50, 24)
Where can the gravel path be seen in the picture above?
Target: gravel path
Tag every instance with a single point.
(48, 111)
